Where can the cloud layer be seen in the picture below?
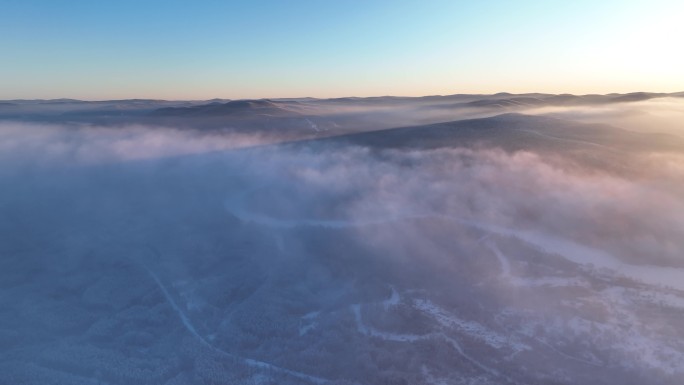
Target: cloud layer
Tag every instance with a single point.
(256, 248)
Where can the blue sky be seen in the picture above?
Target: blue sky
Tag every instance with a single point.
(248, 49)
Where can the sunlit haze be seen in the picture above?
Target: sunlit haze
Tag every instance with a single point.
(264, 49)
(342, 192)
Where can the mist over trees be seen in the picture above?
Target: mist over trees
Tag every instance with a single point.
(465, 239)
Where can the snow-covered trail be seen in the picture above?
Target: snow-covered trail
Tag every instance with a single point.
(572, 251)
(471, 328)
(397, 337)
(589, 256)
(568, 356)
(503, 261)
(368, 331)
(509, 277)
(249, 361)
(181, 314)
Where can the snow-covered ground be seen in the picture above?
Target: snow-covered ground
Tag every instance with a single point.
(581, 254)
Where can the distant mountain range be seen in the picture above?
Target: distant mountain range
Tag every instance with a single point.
(262, 107)
(294, 106)
(289, 119)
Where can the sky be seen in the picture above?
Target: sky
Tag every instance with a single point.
(172, 49)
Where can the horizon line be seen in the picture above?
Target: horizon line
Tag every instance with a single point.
(65, 99)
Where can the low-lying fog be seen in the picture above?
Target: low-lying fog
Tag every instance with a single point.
(146, 254)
